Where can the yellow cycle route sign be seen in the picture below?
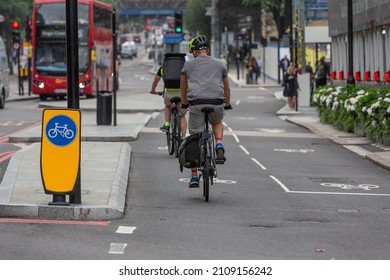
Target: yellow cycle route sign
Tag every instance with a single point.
(60, 150)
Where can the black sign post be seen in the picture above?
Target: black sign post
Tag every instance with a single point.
(72, 58)
(114, 62)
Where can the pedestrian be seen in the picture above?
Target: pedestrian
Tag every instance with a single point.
(284, 64)
(169, 93)
(205, 83)
(290, 86)
(309, 70)
(260, 66)
(253, 70)
(321, 73)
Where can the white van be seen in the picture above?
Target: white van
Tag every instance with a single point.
(4, 74)
(129, 49)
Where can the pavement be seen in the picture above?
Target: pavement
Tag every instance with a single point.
(106, 156)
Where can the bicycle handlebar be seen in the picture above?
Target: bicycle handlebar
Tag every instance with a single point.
(228, 107)
(158, 92)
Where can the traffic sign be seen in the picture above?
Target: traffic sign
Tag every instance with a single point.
(16, 46)
(172, 38)
(60, 150)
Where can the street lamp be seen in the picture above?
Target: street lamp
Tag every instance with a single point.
(351, 79)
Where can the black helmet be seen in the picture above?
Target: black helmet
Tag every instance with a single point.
(198, 43)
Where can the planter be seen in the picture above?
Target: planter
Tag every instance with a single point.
(386, 140)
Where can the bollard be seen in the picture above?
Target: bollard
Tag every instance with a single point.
(104, 108)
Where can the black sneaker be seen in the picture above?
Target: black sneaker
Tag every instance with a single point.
(220, 154)
(164, 128)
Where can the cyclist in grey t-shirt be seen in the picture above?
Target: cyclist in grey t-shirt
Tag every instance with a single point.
(204, 83)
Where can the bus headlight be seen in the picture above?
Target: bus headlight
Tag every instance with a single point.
(39, 83)
(83, 84)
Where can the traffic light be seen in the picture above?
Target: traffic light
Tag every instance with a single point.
(15, 32)
(28, 29)
(178, 22)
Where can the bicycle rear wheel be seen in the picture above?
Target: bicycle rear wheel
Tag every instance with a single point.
(177, 135)
(170, 137)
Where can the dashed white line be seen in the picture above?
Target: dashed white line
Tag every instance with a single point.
(238, 102)
(245, 150)
(236, 138)
(117, 248)
(125, 230)
(259, 164)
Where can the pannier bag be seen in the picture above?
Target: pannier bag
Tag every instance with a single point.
(189, 151)
(172, 65)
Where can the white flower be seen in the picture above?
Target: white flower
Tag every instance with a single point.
(388, 110)
(361, 92)
(373, 123)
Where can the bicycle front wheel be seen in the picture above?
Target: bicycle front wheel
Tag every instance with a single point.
(206, 179)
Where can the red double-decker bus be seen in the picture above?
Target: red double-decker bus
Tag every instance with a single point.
(49, 48)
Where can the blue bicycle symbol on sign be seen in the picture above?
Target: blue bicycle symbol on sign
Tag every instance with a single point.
(61, 130)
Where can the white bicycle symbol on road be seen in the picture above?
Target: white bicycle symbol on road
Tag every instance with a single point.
(366, 187)
(62, 130)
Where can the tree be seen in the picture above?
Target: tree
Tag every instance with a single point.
(276, 7)
(195, 19)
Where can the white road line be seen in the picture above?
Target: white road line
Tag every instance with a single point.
(235, 137)
(245, 150)
(117, 248)
(238, 102)
(279, 183)
(125, 230)
(229, 129)
(343, 193)
(259, 164)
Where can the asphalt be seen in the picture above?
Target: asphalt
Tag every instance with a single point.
(106, 156)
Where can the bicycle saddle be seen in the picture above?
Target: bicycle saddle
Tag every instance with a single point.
(208, 109)
(175, 99)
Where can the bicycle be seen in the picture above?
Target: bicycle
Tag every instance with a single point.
(174, 134)
(207, 168)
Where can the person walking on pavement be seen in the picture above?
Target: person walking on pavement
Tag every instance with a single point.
(169, 93)
(284, 64)
(309, 70)
(204, 83)
(291, 87)
(321, 73)
(260, 66)
(253, 70)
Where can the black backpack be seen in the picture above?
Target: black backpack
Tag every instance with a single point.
(171, 69)
(189, 151)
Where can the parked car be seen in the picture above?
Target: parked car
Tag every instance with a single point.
(129, 49)
(4, 75)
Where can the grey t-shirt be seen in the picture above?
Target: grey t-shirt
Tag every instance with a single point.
(205, 78)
